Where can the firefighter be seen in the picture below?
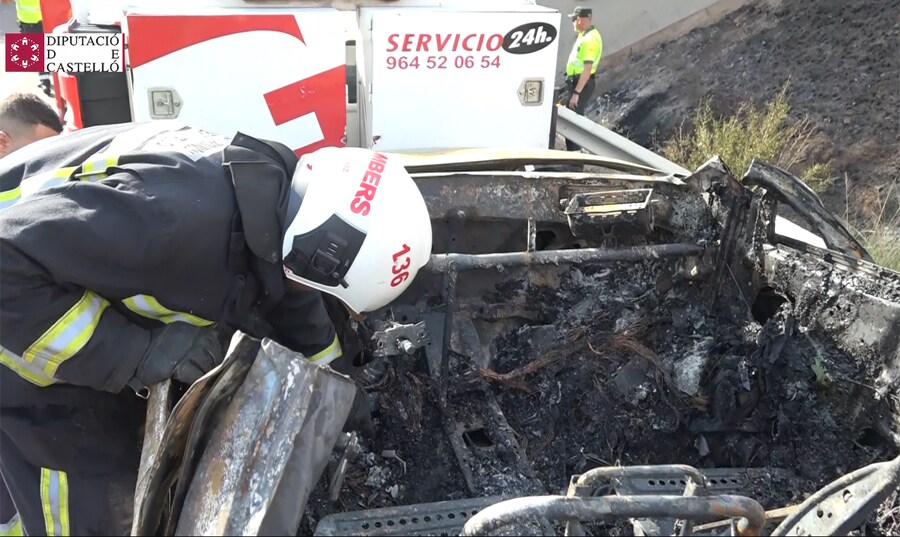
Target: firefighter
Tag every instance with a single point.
(582, 64)
(130, 252)
(25, 118)
(28, 12)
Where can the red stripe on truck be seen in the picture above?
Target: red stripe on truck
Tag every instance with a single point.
(322, 94)
(151, 37)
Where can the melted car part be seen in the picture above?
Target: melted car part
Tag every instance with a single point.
(160, 467)
(270, 445)
(564, 508)
(437, 518)
(846, 503)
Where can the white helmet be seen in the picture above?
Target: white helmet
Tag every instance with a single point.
(360, 230)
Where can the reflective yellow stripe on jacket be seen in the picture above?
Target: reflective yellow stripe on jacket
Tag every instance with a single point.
(28, 11)
(71, 332)
(95, 169)
(34, 184)
(92, 170)
(68, 335)
(55, 501)
(13, 528)
(149, 307)
(329, 354)
(8, 198)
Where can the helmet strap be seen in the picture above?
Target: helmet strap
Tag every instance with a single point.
(325, 254)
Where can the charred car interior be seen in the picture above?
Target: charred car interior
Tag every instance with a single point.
(595, 348)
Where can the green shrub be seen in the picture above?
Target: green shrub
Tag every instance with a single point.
(767, 135)
(750, 133)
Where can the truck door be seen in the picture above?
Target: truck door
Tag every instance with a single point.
(277, 74)
(451, 78)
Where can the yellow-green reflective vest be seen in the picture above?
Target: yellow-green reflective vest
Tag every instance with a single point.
(588, 47)
(28, 11)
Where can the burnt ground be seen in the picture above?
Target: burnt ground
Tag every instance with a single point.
(623, 365)
(843, 63)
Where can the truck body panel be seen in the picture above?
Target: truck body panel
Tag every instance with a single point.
(463, 78)
(272, 74)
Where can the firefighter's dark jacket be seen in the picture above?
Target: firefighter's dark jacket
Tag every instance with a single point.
(89, 266)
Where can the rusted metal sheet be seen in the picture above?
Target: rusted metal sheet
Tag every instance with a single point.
(516, 511)
(269, 448)
(517, 195)
(205, 420)
(845, 504)
(802, 199)
(499, 159)
(449, 262)
(159, 405)
(436, 518)
(164, 467)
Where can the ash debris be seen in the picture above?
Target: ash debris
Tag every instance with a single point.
(652, 375)
(626, 365)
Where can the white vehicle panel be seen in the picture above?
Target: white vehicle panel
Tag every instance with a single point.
(236, 74)
(452, 79)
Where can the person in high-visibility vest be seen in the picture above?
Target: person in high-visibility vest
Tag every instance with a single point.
(582, 63)
(28, 12)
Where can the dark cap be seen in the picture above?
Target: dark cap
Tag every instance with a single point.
(581, 11)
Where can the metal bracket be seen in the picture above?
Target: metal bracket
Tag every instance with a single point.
(165, 103)
(844, 504)
(609, 213)
(531, 92)
(400, 339)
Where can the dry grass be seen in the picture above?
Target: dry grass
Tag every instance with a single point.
(880, 235)
(767, 135)
(750, 133)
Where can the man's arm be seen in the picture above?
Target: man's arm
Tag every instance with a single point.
(579, 85)
(55, 248)
(302, 324)
(583, 78)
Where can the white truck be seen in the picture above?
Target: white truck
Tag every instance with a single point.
(385, 74)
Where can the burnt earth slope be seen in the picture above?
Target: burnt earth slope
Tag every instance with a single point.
(842, 60)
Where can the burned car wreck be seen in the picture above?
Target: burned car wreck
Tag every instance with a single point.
(606, 351)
